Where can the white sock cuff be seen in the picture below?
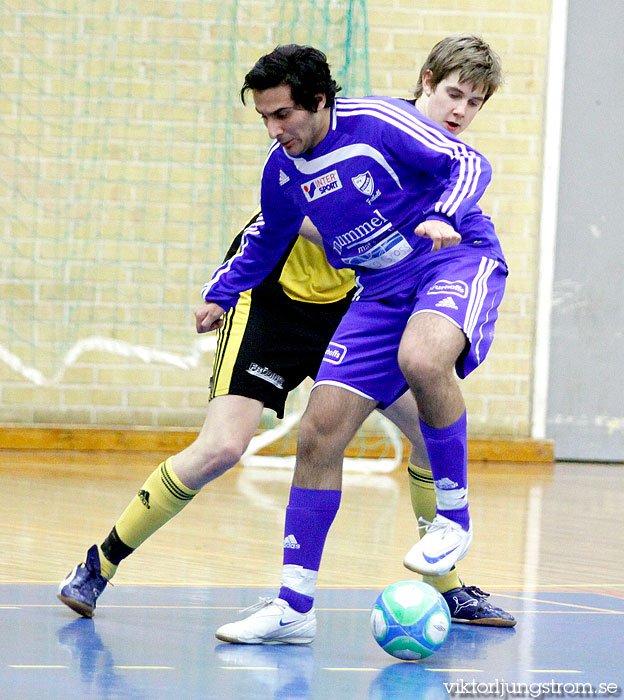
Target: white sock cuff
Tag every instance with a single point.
(453, 499)
(299, 579)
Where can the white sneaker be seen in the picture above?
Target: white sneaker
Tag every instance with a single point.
(444, 543)
(272, 622)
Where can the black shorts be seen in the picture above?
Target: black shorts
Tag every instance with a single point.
(270, 343)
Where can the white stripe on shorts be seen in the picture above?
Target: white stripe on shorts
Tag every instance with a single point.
(341, 385)
(478, 294)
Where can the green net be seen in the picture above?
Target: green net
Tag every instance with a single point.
(127, 165)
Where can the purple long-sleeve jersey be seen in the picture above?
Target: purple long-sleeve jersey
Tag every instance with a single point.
(381, 170)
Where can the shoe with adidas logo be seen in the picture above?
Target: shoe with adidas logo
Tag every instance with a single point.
(272, 621)
(444, 543)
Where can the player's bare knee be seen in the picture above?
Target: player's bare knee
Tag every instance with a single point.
(229, 453)
(422, 371)
(220, 456)
(318, 437)
(310, 432)
(319, 424)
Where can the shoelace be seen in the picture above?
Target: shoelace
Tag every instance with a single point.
(262, 603)
(477, 592)
(433, 526)
(425, 524)
(481, 597)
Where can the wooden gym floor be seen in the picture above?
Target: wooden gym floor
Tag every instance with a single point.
(549, 546)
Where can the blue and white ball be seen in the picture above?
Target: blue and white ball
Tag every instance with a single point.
(410, 620)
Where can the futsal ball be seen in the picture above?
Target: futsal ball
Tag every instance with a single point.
(410, 620)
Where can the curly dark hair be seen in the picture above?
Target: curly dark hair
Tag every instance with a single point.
(304, 68)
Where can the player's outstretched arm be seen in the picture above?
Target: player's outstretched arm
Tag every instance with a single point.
(208, 317)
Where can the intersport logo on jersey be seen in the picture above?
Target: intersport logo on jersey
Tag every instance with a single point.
(321, 186)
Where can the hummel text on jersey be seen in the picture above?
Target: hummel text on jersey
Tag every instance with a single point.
(375, 225)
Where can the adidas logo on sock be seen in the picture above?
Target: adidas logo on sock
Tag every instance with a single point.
(290, 542)
(447, 303)
(144, 496)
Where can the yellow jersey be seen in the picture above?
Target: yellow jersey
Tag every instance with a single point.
(303, 272)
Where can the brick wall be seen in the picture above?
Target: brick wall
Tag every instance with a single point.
(509, 133)
(127, 164)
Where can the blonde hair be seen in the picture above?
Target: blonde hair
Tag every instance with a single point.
(475, 60)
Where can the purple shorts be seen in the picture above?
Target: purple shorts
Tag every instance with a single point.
(466, 289)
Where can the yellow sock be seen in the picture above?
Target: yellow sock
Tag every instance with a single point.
(161, 497)
(422, 493)
(108, 569)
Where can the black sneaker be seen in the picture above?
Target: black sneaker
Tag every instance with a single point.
(468, 605)
(83, 585)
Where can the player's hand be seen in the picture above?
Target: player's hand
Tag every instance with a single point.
(208, 317)
(442, 235)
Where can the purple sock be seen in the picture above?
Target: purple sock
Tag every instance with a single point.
(448, 454)
(309, 516)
